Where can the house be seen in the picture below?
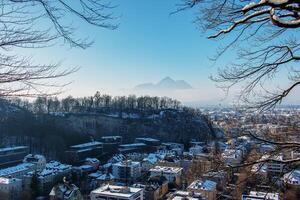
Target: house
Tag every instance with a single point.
(53, 173)
(232, 157)
(149, 161)
(180, 195)
(254, 195)
(172, 174)
(65, 191)
(113, 192)
(292, 179)
(155, 188)
(208, 188)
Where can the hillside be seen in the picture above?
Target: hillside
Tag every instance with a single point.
(51, 133)
(167, 125)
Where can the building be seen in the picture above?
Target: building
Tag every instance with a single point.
(78, 153)
(177, 148)
(111, 143)
(53, 173)
(184, 195)
(94, 162)
(38, 160)
(126, 170)
(134, 147)
(172, 174)
(112, 192)
(112, 139)
(10, 156)
(156, 188)
(159, 186)
(207, 188)
(65, 191)
(254, 195)
(275, 166)
(106, 178)
(220, 177)
(195, 150)
(232, 157)
(10, 188)
(148, 141)
(17, 171)
(150, 161)
(292, 179)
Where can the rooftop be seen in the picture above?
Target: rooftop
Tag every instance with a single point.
(113, 137)
(254, 195)
(293, 177)
(15, 169)
(132, 145)
(148, 139)
(116, 191)
(179, 195)
(12, 148)
(86, 145)
(204, 185)
(165, 169)
(127, 163)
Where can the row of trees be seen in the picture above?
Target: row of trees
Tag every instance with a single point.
(98, 102)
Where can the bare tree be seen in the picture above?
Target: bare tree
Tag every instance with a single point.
(38, 24)
(265, 36)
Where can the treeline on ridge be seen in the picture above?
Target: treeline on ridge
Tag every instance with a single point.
(97, 103)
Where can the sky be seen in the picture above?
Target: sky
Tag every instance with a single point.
(148, 45)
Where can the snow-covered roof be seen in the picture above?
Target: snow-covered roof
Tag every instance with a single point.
(261, 195)
(12, 148)
(87, 145)
(15, 169)
(116, 191)
(204, 185)
(165, 169)
(292, 177)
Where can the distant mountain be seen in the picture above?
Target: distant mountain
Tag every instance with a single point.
(165, 84)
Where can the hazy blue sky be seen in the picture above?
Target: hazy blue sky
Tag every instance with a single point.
(148, 45)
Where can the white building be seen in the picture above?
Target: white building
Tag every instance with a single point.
(172, 174)
(232, 156)
(126, 170)
(207, 188)
(112, 192)
(253, 195)
(10, 188)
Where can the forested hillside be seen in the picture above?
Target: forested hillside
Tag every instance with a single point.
(51, 129)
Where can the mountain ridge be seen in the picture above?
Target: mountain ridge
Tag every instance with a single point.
(166, 83)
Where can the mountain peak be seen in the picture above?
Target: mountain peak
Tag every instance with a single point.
(166, 83)
(167, 78)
